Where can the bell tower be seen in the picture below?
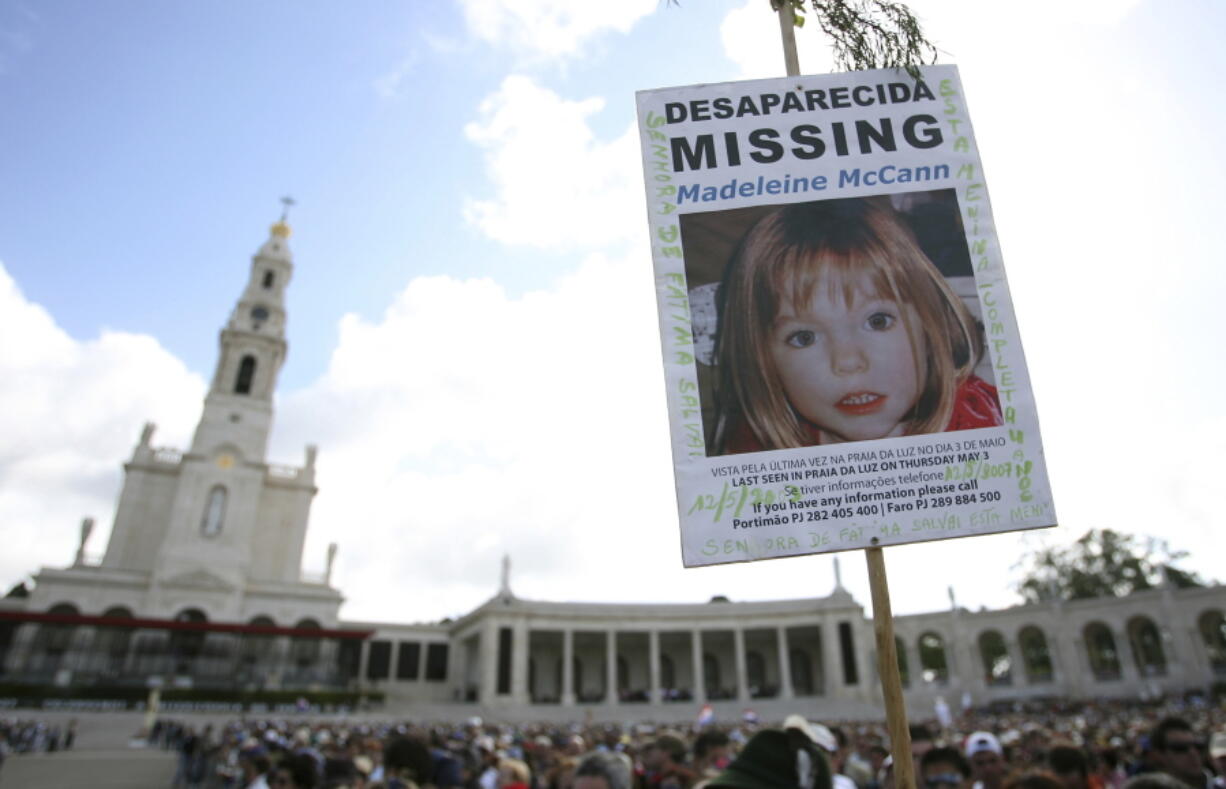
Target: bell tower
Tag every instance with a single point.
(238, 408)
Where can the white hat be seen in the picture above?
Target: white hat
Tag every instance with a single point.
(816, 732)
(1217, 745)
(982, 741)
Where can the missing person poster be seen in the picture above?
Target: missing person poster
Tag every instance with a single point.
(842, 360)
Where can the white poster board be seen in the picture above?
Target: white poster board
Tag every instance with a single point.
(841, 356)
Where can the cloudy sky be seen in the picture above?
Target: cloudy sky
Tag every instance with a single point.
(473, 341)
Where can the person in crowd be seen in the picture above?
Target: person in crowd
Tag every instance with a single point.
(1217, 758)
(1154, 780)
(922, 742)
(295, 771)
(513, 774)
(407, 764)
(987, 758)
(603, 770)
(254, 765)
(943, 768)
(1174, 748)
(664, 764)
(1070, 766)
(775, 758)
(1033, 779)
(711, 753)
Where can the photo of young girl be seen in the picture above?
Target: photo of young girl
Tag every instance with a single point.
(834, 325)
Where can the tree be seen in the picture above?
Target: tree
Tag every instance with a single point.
(1102, 563)
(868, 33)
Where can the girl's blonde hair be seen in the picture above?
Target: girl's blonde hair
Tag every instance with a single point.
(782, 257)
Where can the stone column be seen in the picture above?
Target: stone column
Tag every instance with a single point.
(653, 666)
(700, 684)
(610, 696)
(832, 661)
(363, 659)
(568, 668)
(742, 679)
(1081, 656)
(785, 664)
(487, 656)
(520, 692)
(1066, 677)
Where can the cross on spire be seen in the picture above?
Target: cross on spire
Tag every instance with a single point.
(286, 201)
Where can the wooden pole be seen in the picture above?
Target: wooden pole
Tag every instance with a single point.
(787, 31)
(887, 669)
(883, 618)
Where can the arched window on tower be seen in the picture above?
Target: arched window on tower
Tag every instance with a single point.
(269, 278)
(214, 512)
(246, 374)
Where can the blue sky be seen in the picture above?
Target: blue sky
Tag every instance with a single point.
(471, 313)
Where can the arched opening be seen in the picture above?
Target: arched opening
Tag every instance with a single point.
(255, 649)
(802, 673)
(246, 374)
(305, 649)
(111, 643)
(1212, 625)
(997, 665)
(213, 519)
(1146, 643)
(904, 671)
(53, 642)
(933, 665)
(269, 279)
(1100, 647)
(186, 645)
(1036, 658)
(710, 677)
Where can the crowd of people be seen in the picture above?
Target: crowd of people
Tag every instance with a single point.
(1110, 745)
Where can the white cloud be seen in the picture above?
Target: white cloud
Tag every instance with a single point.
(557, 186)
(70, 412)
(751, 39)
(467, 424)
(550, 28)
(390, 84)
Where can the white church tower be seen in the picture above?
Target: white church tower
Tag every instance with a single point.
(216, 530)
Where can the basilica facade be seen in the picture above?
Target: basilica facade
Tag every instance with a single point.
(201, 589)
